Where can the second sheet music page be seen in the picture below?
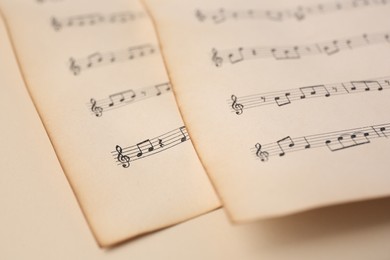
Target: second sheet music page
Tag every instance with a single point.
(286, 101)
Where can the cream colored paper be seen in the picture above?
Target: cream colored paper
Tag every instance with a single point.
(287, 153)
(156, 190)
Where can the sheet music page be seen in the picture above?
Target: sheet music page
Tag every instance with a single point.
(286, 101)
(95, 73)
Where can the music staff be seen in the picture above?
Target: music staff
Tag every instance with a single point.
(148, 147)
(298, 13)
(95, 19)
(126, 97)
(334, 141)
(97, 59)
(296, 52)
(286, 97)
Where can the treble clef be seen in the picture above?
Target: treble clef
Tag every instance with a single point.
(201, 17)
(96, 109)
(216, 59)
(74, 67)
(262, 155)
(124, 159)
(239, 108)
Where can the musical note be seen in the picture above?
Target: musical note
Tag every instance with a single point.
(347, 140)
(285, 53)
(98, 59)
(296, 52)
(239, 108)
(236, 56)
(286, 97)
(95, 19)
(165, 87)
(121, 158)
(287, 141)
(141, 146)
(94, 58)
(129, 96)
(314, 90)
(219, 16)
(284, 100)
(98, 111)
(365, 85)
(299, 13)
(332, 47)
(334, 141)
(185, 135)
(150, 147)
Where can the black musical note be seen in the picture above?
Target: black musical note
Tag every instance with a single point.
(124, 96)
(98, 111)
(239, 108)
(287, 141)
(286, 97)
(150, 147)
(347, 140)
(128, 97)
(141, 146)
(296, 52)
(334, 141)
(164, 87)
(95, 19)
(121, 158)
(97, 59)
(283, 100)
(185, 135)
(314, 90)
(299, 13)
